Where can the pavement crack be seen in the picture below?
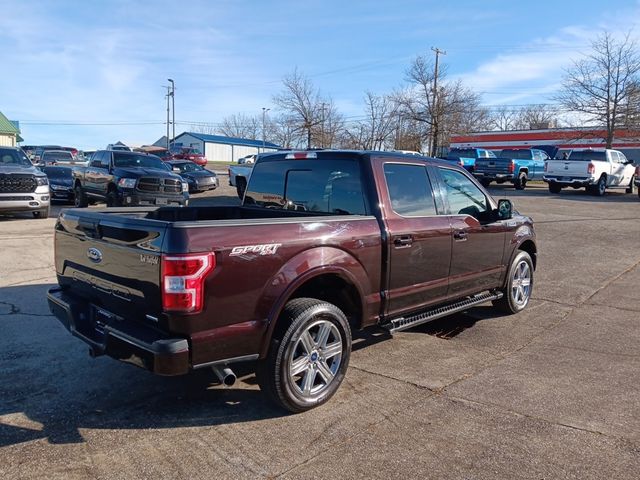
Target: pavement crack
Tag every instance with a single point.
(610, 280)
(13, 309)
(538, 418)
(389, 377)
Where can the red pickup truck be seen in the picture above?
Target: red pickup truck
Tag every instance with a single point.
(324, 243)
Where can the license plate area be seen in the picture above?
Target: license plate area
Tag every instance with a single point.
(161, 201)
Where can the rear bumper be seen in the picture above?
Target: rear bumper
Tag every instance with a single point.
(494, 177)
(124, 340)
(569, 181)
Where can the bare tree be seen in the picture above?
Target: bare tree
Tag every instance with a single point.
(206, 128)
(300, 103)
(449, 109)
(533, 117)
(599, 86)
(503, 118)
(377, 128)
(241, 126)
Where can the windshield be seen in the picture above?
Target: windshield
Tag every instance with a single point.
(187, 167)
(523, 154)
(121, 159)
(462, 153)
(14, 158)
(57, 156)
(587, 155)
(330, 186)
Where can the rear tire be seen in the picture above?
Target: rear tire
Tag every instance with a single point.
(308, 357)
(241, 187)
(80, 198)
(554, 187)
(485, 183)
(517, 292)
(600, 188)
(521, 181)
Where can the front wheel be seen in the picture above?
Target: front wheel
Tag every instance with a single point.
(521, 181)
(519, 285)
(79, 197)
(44, 213)
(112, 199)
(632, 185)
(306, 362)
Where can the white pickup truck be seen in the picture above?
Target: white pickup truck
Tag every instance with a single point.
(596, 170)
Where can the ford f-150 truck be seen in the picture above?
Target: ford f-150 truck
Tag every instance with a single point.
(324, 243)
(122, 178)
(595, 170)
(518, 166)
(466, 157)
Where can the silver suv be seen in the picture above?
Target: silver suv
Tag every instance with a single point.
(22, 186)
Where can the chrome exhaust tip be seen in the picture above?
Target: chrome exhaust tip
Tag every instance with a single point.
(225, 375)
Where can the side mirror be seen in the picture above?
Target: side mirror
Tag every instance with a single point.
(505, 209)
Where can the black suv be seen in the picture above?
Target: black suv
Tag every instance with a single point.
(128, 179)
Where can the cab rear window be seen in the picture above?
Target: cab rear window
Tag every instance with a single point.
(321, 186)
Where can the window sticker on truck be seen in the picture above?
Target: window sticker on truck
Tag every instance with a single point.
(267, 249)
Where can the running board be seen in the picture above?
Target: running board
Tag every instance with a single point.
(403, 323)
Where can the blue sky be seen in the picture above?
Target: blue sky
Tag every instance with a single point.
(105, 62)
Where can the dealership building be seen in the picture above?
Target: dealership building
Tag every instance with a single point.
(218, 148)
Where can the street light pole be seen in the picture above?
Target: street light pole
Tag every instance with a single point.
(173, 109)
(264, 113)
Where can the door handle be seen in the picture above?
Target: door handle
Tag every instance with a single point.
(403, 241)
(460, 236)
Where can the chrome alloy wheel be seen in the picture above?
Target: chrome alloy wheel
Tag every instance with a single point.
(521, 284)
(315, 358)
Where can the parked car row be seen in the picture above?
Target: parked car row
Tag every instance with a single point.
(594, 170)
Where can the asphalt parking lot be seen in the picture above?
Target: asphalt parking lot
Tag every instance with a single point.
(553, 392)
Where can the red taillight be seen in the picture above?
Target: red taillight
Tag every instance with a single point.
(183, 281)
(512, 166)
(591, 169)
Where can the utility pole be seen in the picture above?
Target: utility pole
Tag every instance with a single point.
(264, 113)
(173, 109)
(435, 114)
(168, 95)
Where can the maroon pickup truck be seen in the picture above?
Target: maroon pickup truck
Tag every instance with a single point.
(324, 243)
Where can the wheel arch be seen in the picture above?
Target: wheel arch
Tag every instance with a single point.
(324, 273)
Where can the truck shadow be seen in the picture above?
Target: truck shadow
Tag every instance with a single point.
(51, 389)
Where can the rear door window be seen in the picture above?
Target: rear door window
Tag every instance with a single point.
(409, 189)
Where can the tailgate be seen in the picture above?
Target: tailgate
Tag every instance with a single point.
(567, 168)
(492, 165)
(111, 259)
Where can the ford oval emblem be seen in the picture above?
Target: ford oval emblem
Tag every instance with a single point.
(94, 255)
